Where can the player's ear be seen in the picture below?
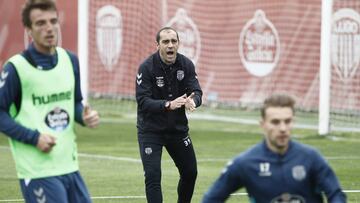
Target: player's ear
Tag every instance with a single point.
(28, 31)
(261, 122)
(157, 45)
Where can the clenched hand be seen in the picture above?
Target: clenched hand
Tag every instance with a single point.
(46, 143)
(90, 117)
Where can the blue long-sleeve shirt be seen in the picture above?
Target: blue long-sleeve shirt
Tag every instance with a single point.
(10, 93)
(301, 174)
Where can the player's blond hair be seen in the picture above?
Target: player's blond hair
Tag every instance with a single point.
(278, 100)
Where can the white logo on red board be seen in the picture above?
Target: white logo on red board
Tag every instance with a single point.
(259, 45)
(345, 39)
(190, 41)
(109, 26)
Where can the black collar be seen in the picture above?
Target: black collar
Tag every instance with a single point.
(159, 63)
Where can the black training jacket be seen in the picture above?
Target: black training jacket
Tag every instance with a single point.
(157, 83)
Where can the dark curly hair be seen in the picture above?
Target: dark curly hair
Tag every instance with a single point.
(44, 5)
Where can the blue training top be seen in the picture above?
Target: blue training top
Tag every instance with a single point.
(300, 175)
(10, 92)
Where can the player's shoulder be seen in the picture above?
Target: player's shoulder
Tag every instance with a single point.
(184, 61)
(244, 160)
(148, 62)
(8, 70)
(301, 146)
(8, 77)
(73, 57)
(304, 149)
(71, 54)
(253, 153)
(182, 57)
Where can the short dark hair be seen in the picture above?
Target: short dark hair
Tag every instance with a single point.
(278, 100)
(165, 28)
(44, 5)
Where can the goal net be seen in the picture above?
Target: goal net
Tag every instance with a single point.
(345, 57)
(243, 51)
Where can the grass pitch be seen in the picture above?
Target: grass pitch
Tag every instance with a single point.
(110, 161)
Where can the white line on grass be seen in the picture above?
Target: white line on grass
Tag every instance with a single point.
(127, 159)
(131, 118)
(352, 191)
(239, 194)
(97, 156)
(115, 158)
(134, 160)
(214, 117)
(120, 197)
(199, 160)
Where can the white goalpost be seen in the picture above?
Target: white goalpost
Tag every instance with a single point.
(83, 48)
(325, 68)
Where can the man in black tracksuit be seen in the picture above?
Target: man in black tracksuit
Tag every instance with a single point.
(166, 86)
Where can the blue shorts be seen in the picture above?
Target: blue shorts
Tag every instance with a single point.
(69, 188)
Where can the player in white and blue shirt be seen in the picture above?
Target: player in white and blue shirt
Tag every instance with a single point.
(278, 170)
